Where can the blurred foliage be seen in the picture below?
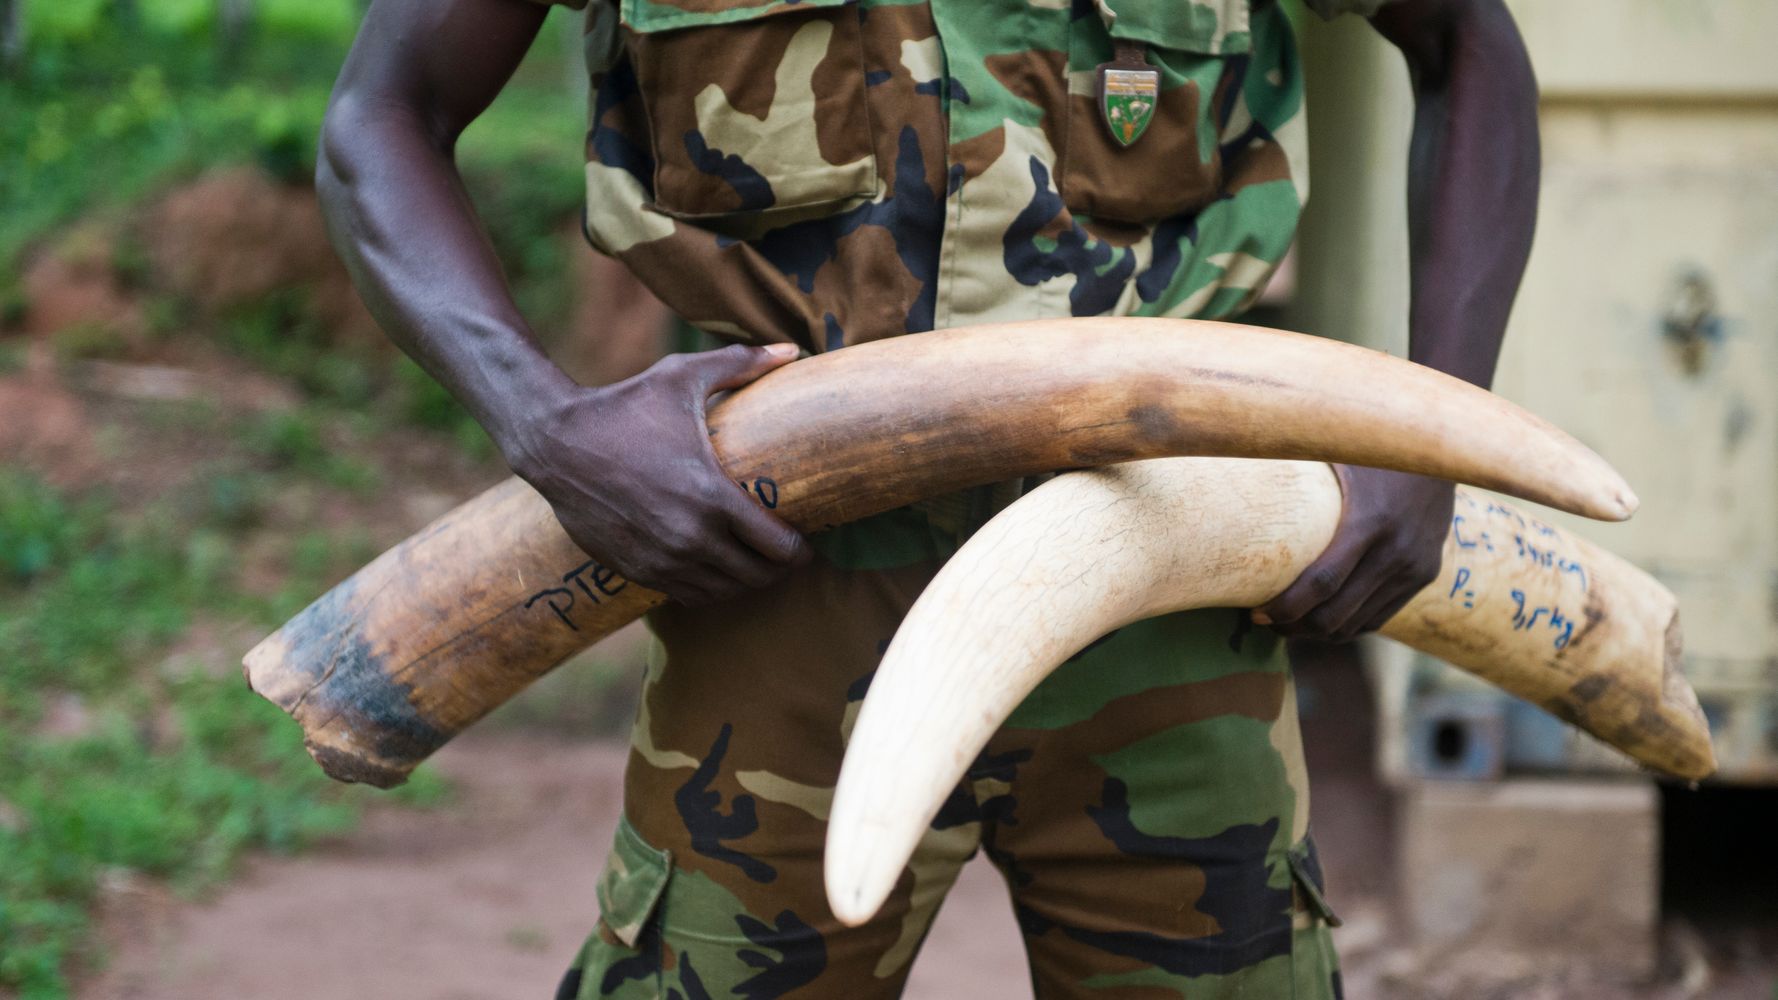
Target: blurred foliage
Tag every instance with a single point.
(165, 771)
(298, 440)
(168, 771)
(530, 192)
(106, 130)
(115, 102)
(37, 529)
(281, 334)
(104, 109)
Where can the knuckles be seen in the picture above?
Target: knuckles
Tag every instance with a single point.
(674, 365)
(681, 542)
(1315, 625)
(1415, 567)
(1420, 574)
(1324, 581)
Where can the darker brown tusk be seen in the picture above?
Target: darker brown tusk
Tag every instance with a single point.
(435, 633)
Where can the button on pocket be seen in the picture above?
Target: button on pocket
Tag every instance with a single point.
(753, 108)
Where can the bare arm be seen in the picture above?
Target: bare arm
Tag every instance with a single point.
(628, 468)
(1472, 177)
(1472, 203)
(396, 208)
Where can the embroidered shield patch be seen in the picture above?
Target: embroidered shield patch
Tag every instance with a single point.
(1127, 98)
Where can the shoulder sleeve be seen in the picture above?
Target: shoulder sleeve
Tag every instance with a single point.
(1330, 9)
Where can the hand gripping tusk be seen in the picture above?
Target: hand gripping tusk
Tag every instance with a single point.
(388, 666)
(1544, 615)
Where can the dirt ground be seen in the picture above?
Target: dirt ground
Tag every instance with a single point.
(486, 899)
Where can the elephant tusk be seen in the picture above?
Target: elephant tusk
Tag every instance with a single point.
(1538, 612)
(432, 635)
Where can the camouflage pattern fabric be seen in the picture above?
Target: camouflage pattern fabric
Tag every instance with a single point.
(831, 172)
(1147, 805)
(836, 171)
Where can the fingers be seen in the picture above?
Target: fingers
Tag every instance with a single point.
(1337, 599)
(727, 548)
(1329, 619)
(730, 569)
(696, 590)
(1314, 586)
(758, 548)
(713, 566)
(648, 497)
(760, 534)
(758, 552)
(1376, 612)
(714, 573)
(734, 366)
(764, 532)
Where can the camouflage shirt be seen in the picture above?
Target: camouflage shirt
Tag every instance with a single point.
(835, 171)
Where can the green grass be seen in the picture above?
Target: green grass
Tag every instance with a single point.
(37, 528)
(79, 147)
(103, 113)
(301, 441)
(174, 772)
(280, 334)
(106, 107)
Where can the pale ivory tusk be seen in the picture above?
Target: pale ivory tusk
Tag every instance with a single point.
(1544, 615)
(388, 666)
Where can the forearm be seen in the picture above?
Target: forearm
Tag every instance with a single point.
(1473, 184)
(399, 215)
(1472, 201)
(628, 468)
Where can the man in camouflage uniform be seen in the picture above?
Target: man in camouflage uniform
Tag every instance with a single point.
(820, 173)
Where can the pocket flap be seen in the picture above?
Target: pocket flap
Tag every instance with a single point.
(1206, 27)
(629, 890)
(645, 16)
(1305, 867)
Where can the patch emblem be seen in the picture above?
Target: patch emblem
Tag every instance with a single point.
(1129, 89)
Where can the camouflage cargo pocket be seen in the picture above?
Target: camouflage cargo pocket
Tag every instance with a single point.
(1140, 155)
(623, 957)
(753, 107)
(677, 932)
(1315, 966)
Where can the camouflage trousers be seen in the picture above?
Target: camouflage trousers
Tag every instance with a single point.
(1146, 805)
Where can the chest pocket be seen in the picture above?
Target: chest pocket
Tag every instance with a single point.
(1174, 166)
(752, 107)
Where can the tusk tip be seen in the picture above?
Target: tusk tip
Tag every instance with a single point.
(856, 882)
(851, 915)
(851, 904)
(1615, 503)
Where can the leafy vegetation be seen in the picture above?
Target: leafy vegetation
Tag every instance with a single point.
(115, 757)
(166, 772)
(119, 754)
(113, 101)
